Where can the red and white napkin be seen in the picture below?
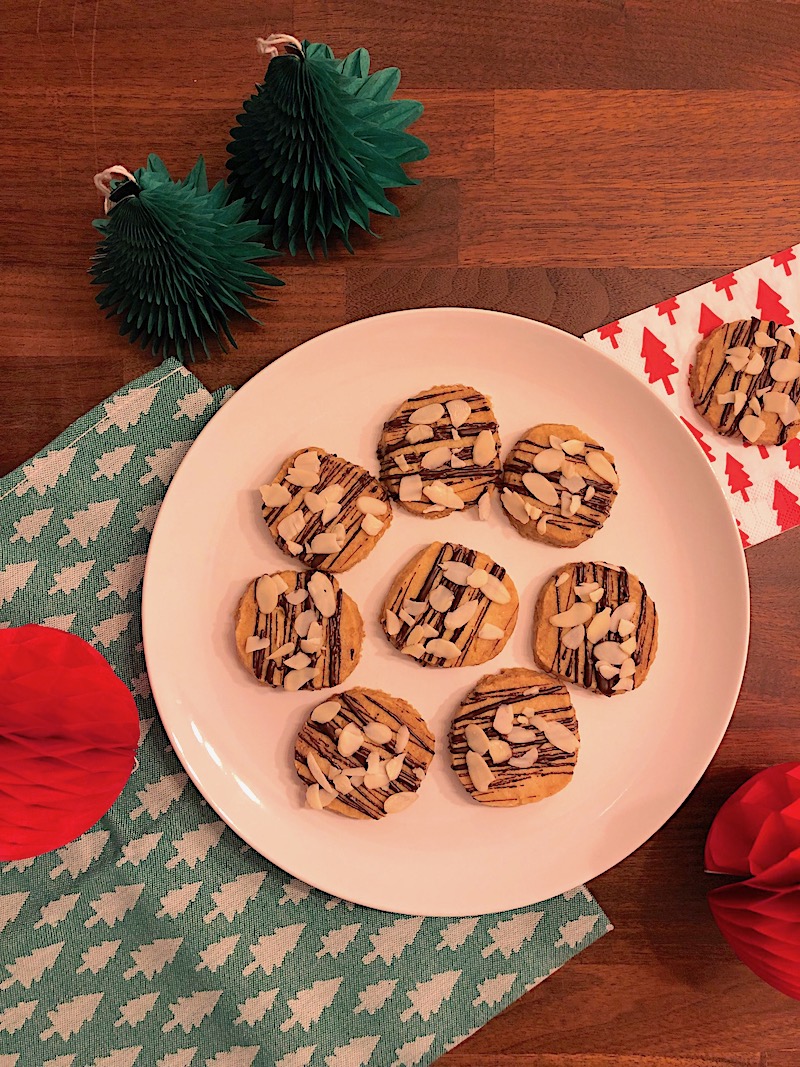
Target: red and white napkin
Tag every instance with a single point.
(657, 344)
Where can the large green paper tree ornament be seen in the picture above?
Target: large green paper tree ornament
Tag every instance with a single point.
(176, 258)
(319, 143)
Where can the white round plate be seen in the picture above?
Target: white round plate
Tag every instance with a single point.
(641, 753)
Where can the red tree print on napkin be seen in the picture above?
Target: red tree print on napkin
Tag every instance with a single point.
(743, 535)
(725, 284)
(658, 364)
(792, 450)
(693, 430)
(708, 321)
(787, 510)
(738, 479)
(769, 304)
(609, 333)
(783, 259)
(668, 308)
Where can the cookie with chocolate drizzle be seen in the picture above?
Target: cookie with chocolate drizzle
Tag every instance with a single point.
(450, 606)
(440, 452)
(515, 738)
(559, 485)
(363, 754)
(324, 511)
(745, 381)
(298, 630)
(595, 626)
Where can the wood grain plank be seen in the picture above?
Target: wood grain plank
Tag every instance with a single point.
(660, 136)
(464, 1058)
(558, 221)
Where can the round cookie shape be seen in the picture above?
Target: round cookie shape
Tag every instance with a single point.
(515, 738)
(325, 511)
(440, 452)
(298, 630)
(364, 754)
(559, 485)
(595, 626)
(450, 606)
(745, 381)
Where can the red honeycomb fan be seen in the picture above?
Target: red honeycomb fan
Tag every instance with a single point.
(69, 730)
(757, 834)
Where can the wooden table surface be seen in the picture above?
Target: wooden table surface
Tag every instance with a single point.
(588, 157)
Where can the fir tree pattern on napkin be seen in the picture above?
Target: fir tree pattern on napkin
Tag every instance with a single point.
(159, 939)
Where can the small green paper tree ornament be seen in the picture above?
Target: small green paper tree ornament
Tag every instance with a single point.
(319, 142)
(176, 258)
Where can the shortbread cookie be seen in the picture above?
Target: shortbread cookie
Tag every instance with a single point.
(745, 380)
(440, 452)
(298, 630)
(559, 485)
(363, 754)
(595, 626)
(325, 511)
(450, 607)
(515, 738)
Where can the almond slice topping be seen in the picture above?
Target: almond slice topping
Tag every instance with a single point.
(378, 732)
(266, 594)
(371, 525)
(297, 661)
(495, 591)
(490, 632)
(578, 614)
(782, 405)
(426, 415)
(763, 339)
(538, 486)
(754, 365)
(440, 493)
(739, 401)
(300, 476)
(559, 735)
(478, 578)
(526, 760)
(397, 802)
(256, 644)
(401, 462)
(391, 622)
(601, 466)
(297, 596)
(548, 461)
(325, 712)
(479, 772)
(515, 506)
(563, 577)
(295, 680)
(402, 739)
(785, 370)
(436, 458)
(411, 487)
(456, 572)
(455, 620)
(574, 638)
(372, 505)
(275, 495)
(484, 450)
(476, 738)
(290, 527)
(459, 411)
(418, 433)
(440, 598)
(350, 739)
(499, 750)
(484, 506)
(752, 427)
(442, 649)
(609, 652)
(599, 626)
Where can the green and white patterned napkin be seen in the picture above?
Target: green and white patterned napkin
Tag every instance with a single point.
(158, 938)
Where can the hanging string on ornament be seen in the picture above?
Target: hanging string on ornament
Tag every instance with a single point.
(319, 143)
(176, 259)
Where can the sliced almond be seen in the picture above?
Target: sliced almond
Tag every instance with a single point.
(378, 732)
(401, 463)
(584, 588)
(414, 651)
(415, 636)
(297, 661)
(397, 802)
(495, 591)
(332, 493)
(299, 476)
(504, 719)
(307, 461)
(526, 760)
(738, 363)
(763, 339)
(275, 495)
(625, 627)
(406, 617)
(521, 734)
(459, 411)
(782, 405)
(290, 527)
(785, 370)
(559, 735)
(457, 463)
(627, 668)
(515, 506)
(587, 496)
(601, 467)
(371, 525)
(441, 598)
(316, 772)
(325, 712)
(541, 525)
(426, 415)
(563, 577)
(484, 506)
(607, 670)
(574, 638)
(342, 784)
(478, 578)
(402, 738)
(393, 767)
(428, 630)
(751, 427)
(485, 449)
(303, 622)
(282, 651)
(266, 594)
(418, 433)
(280, 584)
(754, 405)
(442, 649)
(739, 401)
(350, 739)
(376, 780)
(574, 504)
(573, 483)
(783, 333)
(533, 512)
(574, 447)
(433, 507)
(455, 620)
(330, 511)
(476, 738)
(440, 493)
(754, 365)
(436, 458)
(578, 614)
(490, 632)
(311, 645)
(455, 572)
(628, 646)
(556, 442)
(609, 652)
(391, 623)
(739, 352)
(411, 487)
(295, 680)
(548, 461)
(297, 596)
(624, 685)
(538, 486)
(599, 626)
(622, 611)
(316, 799)
(499, 751)
(725, 398)
(256, 644)
(597, 595)
(320, 589)
(479, 772)
(315, 502)
(324, 544)
(414, 607)
(566, 500)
